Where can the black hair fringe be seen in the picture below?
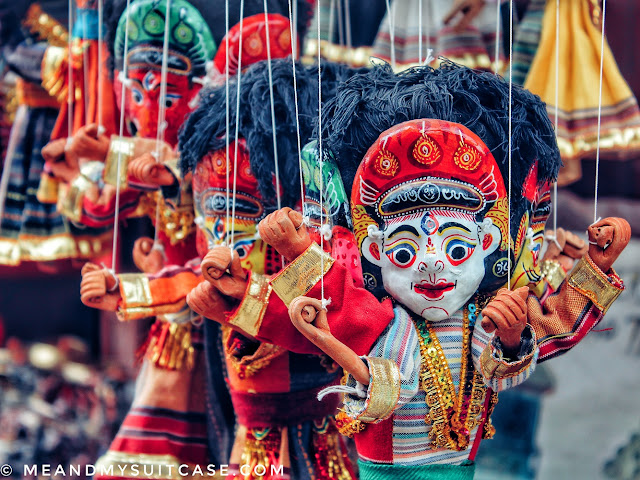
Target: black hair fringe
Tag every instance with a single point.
(205, 129)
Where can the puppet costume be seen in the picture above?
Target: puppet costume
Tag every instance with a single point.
(32, 230)
(475, 47)
(581, 31)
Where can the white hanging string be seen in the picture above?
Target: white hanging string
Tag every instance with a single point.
(347, 23)
(235, 150)
(162, 113)
(555, 184)
(595, 195)
(420, 32)
(496, 63)
(392, 40)
(273, 108)
(85, 67)
(226, 87)
(116, 218)
(321, 162)
(332, 12)
(70, 92)
(101, 128)
(295, 97)
(510, 142)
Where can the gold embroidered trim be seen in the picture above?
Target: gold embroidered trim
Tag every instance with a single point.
(248, 365)
(53, 81)
(71, 200)
(171, 347)
(123, 147)
(34, 248)
(496, 367)
(176, 222)
(121, 465)
(452, 416)
(135, 290)
(552, 273)
(48, 189)
(45, 26)
(590, 281)
(384, 390)
(348, 426)
(302, 274)
(249, 314)
(355, 57)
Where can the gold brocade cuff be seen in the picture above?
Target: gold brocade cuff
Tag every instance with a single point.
(135, 290)
(48, 189)
(54, 81)
(496, 367)
(302, 274)
(70, 203)
(383, 391)
(122, 147)
(591, 282)
(552, 273)
(249, 314)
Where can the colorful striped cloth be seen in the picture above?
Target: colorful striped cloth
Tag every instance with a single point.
(400, 342)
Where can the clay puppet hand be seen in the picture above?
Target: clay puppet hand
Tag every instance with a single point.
(146, 169)
(567, 250)
(285, 231)
(607, 240)
(148, 257)
(98, 288)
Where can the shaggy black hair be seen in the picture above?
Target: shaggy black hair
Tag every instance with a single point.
(205, 129)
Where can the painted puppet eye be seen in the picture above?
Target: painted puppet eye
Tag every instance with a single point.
(402, 254)
(458, 250)
(137, 96)
(171, 100)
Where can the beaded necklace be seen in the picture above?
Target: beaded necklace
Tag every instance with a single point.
(453, 416)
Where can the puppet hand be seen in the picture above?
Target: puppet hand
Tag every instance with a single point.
(285, 231)
(569, 248)
(86, 146)
(469, 10)
(607, 239)
(147, 258)
(507, 315)
(54, 150)
(221, 267)
(308, 316)
(205, 300)
(145, 169)
(95, 287)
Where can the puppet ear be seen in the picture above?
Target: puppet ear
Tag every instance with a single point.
(490, 236)
(372, 248)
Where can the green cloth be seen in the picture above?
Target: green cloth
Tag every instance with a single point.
(381, 471)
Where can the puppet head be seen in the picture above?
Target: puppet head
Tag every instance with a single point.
(244, 207)
(430, 212)
(191, 46)
(371, 102)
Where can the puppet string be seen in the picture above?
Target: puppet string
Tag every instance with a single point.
(162, 103)
(347, 23)
(332, 7)
(510, 142)
(496, 64)
(320, 154)
(595, 194)
(226, 88)
(273, 108)
(100, 79)
(116, 215)
(391, 16)
(237, 128)
(340, 23)
(555, 184)
(70, 75)
(295, 98)
(85, 68)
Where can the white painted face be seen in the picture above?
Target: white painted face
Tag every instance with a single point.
(433, 263)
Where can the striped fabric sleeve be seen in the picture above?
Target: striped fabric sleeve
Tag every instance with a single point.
(389, 388)
(498, 372)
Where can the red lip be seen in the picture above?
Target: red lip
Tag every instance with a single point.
(433, 291)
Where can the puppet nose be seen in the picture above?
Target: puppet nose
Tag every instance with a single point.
(431, 265)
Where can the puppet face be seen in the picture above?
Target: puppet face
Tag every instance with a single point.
(433, 263)
(527, 269)
(212, 199)
(143, 96)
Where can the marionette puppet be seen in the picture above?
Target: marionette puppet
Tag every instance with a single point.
(449, 431)
(31, 229)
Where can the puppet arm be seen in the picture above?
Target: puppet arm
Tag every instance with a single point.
(563, 318)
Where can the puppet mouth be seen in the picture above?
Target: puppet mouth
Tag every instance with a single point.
(433, 291)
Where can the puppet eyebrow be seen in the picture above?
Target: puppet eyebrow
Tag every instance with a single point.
(444, 226)
(405, 228)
